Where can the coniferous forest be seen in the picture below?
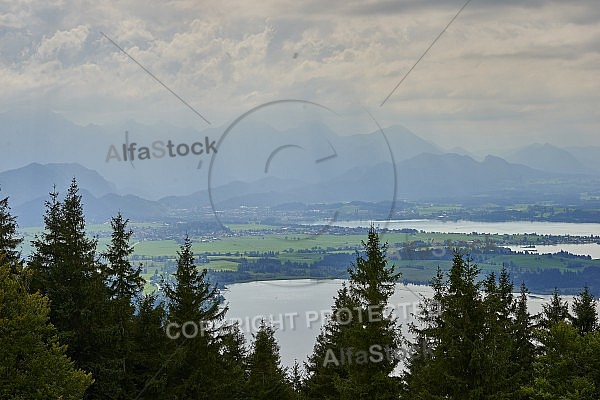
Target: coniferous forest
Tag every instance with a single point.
(75, 324)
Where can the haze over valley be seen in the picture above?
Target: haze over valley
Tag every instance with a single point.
(308, 164)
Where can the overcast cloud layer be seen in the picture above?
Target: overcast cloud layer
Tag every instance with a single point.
(503, 72)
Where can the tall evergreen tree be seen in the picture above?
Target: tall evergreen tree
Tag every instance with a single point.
(191, 297)
(296, 379)
(567, 366)
(554, 312)
(34, 365)
(48, 250)
(65, 267)
(497, 334)
(567, 363)
(522, 349)
(427, 335)
(325, 371)
(9, 241)
(463, 315)
(267, 379)
(585, 313)
(124, 282)
(372, 283)
(359, 326)
(150, 356)
(234, 358)
(475, 331)
(197, 370)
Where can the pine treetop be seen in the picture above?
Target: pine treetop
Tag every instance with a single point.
(9, 241)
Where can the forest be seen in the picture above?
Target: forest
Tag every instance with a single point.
(75, 324)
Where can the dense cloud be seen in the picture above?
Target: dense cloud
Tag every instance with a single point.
(510, 69)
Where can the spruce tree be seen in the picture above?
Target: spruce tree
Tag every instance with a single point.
(65, 267)
(522, 349)
(34, 363)
(196, 370)
(296, 379)
(585, 313)
(191, 297)
(357, 350)
(420, 370)
(151, 354)
(372, 283)
(9, 241)
(567, 366)
(324, 368)
(457, 364)
(463, 317)
(234, 358)
(554, 312)
(124, 282)
(48, 250)
(497, 340)
(479, 338)
(267, 379)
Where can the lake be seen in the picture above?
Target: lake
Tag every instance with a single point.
(299, 307)
(586, 249)
(513, 227)
(429, 225)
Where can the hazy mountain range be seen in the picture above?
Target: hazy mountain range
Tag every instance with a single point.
(257, 164)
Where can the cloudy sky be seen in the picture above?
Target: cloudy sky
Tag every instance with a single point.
(503, 72)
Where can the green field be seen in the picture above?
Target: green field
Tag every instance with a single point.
(251, 241)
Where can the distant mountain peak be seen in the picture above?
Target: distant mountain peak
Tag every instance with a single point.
(36, 180)
(549, 158)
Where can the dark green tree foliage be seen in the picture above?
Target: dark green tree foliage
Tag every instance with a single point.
(34, 365)
(150, 354)
(48, 248)
(124, 283)
(324, 373)
(125, 280)
(191, 297)
(64, 267)
(296, 378)
(585, 313)
(522, 349)
(372, 283)
(234, 357)
(361, 330)
(266, 378)
(555, 312)
(568, 366)
(9, 241)
(498, 332)
(197, 369)
(459, 353)
(419, 367)
(477, 335)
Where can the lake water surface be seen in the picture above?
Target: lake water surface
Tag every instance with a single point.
(514, 227)
(586, 249)
(297, 308)
(428, 225)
